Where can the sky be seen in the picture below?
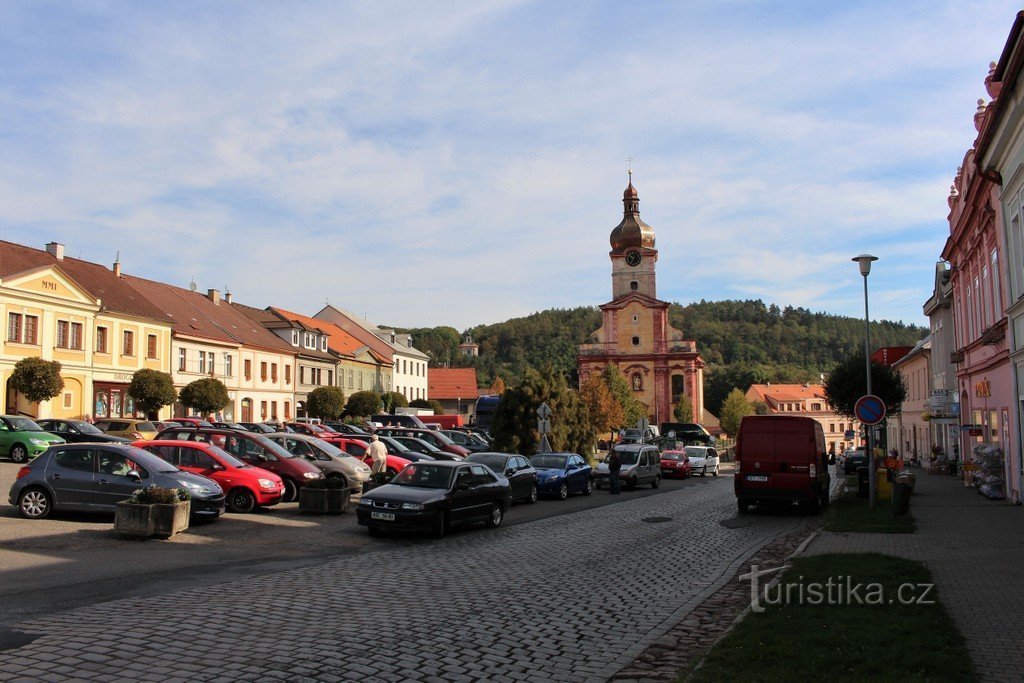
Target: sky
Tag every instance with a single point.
(462, 163)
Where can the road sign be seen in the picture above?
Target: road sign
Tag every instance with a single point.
(849, 434)
(870, 409)
(643, 423)
(544, 426)
(543, 411)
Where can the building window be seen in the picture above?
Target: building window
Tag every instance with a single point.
(634, 285)
(287, 374)
(302, 374)
(832, 428)
(14, 327)
(210, 360)
(263, 410)
(323, 343)
(227, 365)
(287, 410)
(182, 359)
(351, 378)
(151, 346)
(62, 334)
(248, 368)
(101, 340)
(816, 406)
(128, 347)
(273, 410)
(636, 341)
(67, 399)
(360, 379)
(295, 337)
(202, 362)
(330, 378)
(997, 294)
(273, 372)
(263, 371)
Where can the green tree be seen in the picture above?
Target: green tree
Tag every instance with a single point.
(683, 412)
(364, 404)
(760, 408)
(428, 403)
(515, 419)
(848, 382)
(393, 399)
(603, 411)
(734, 409)
(632, 408)
(152, 390)
(326, 403)
(39, 380)
(204, 396)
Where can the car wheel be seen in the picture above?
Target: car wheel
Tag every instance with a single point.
(35, 503)
(563, 491)
(439, 526)
(715, 473)
(532, 497)
(291, 491)
(589, 488)
(497, 514)
(656, 482)
(743, 505)
(241, 500)
(19, 453)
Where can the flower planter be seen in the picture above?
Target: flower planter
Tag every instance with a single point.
(337, 501)
(313, 501)
(141, 520)
(171, 519)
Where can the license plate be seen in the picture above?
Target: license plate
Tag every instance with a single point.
(757, 477)
(667, 471)
(386, 516)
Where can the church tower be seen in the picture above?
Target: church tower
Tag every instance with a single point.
(658, 363)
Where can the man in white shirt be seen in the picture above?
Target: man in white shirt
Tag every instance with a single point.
(379, 454)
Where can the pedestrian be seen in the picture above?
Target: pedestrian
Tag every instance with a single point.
(379, 454)
(614, 465)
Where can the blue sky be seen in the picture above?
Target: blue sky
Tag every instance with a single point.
(463, 162)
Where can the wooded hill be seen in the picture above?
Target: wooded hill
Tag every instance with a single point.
(743, 342)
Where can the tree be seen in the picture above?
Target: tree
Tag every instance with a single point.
(39, 380)
(393, 399)
(761, 408)
(734, 409)
(429, 403)
(683, 412)
(204, 396)
(603, 411)
(326, 403)
(515, 419)
(632, 408)
(497, 386)
(364, 404)
(152, 390)
(848, 382)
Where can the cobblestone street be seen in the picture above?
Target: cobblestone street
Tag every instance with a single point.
(574, 597)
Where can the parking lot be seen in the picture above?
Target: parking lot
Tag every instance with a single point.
(72, 560)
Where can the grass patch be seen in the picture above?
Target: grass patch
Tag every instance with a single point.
(848, 642)
(850, 513)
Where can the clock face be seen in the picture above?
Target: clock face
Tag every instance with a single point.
(633, 258)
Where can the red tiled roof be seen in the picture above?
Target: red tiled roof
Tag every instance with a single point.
(114, 292)
(786, 392)
(338, 340)
(271, 319)
(451, 383)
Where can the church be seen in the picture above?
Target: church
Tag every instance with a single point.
(657, 362)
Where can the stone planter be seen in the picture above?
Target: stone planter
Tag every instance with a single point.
(313, 501)
(171, 519)
(140, 520)
(337, 501)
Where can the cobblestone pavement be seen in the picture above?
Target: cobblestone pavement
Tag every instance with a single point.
(974, 548)
(570, 598)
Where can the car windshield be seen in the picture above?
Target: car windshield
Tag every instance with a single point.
(696, 452)
(552, 462)
(495, 462)
(86, 427)
(424, 475)
(227, 458)
(475, 438)
(394, 443)
(672, 455)
(23, 424)
(627, 457)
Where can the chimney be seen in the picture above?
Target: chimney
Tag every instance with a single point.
(56, 250)
(227, 296)
(214, 295)
(117, 269)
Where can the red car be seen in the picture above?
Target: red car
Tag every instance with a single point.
(246, 487)
(328, 435)
(190, 421)
(357, 448)
(675, 464)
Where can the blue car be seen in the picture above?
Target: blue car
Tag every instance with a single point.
(559, 474)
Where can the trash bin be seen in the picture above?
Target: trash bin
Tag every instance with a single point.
(900, 498)
(883, 487)
(862, 482)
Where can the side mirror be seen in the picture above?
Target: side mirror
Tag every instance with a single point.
(134, 475)
(509, 472)
(217, 466)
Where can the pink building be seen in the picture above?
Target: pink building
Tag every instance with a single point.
(981, 348)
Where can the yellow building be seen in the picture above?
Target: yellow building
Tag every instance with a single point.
(86, 317)
(808, 400)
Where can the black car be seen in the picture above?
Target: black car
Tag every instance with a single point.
(421, 446)
(521, 475)
(257, 427)
(471, 442)
(432, 496)
(395, 447)
(79, 431)
(230, 425)
(346, 428)
(854, 459)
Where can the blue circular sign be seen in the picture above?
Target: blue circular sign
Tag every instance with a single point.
(870, 409)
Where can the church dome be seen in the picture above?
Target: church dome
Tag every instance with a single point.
(631, 232)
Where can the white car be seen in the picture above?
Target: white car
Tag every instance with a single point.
(703, 459)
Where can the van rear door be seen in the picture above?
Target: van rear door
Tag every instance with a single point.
(777, 455)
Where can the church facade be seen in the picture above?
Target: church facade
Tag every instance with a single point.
(660, 365)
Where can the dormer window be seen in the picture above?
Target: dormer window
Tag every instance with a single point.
(323, 343)
(295, 337)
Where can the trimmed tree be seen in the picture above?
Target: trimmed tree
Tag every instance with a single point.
(364, 404)
(152, 390)
(39, 380)
(734, 409)
(683, 412)
(326, 403)
(393, 399)
(204, 396)
(515, 419)
(429, 404)
(848, 382)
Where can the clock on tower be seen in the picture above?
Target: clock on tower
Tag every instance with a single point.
(633, 258)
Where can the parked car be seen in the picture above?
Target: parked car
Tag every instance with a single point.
(358, 449)
(676, 464)
(21, 438)
(637, 435)
(192, 422)
(471, 442)
(560, 474)
(421, 446)
(395, 447)
(854, 458)
(433, 496)
(129, 427)
(96, 477)
(230, 425)
(641, 464)
(255, 449)
(685, 434)
(399, 421)
(79, 431)
(257, 427)
(329, 458)
(345, 428)
(430, 436)
(703, 459)
(521, 475)
(245, 486)
(781, 459)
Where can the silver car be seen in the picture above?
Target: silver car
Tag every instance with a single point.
(641, 464)
(703, 459)
(329, 458)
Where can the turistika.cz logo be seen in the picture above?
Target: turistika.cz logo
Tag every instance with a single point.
(839, 590)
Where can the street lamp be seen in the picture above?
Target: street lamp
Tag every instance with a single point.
(864, 263)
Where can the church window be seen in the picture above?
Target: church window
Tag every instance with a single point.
(636, 319)
(634, 285)
(636, 341)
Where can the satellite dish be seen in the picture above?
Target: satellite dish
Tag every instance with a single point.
(193, 286)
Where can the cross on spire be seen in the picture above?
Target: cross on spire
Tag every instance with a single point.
(629, 168)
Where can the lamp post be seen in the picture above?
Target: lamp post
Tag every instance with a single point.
(864, 262)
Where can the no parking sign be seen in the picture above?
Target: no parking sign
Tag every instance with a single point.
(869, 409)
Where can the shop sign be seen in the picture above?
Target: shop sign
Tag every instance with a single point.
(983, 389)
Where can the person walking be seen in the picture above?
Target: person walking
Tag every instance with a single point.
(614, 465)
(379, 454)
